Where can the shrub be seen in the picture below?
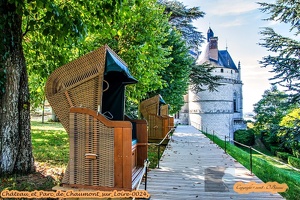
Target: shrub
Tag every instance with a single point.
(296, 150)
(295, 162)
(263, 137)
(245, 137)
(283, 155)
(275, 149)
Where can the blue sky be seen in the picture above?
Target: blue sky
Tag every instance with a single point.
(237, 23)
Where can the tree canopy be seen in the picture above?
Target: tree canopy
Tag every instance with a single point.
(142, 49)
(271, 108)
(152, 54)
(277, 120)
(181, 18)
(285, 60)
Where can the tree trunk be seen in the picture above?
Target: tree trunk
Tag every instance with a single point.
(15, 145)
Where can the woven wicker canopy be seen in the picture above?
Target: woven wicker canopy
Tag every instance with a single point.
(95, 80)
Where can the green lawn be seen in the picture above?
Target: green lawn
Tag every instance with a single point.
(50, 143)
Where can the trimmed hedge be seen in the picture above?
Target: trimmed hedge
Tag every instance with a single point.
(245, 137)
(283, 155)
(295, 162)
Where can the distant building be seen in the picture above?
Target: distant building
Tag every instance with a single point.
(220, 111)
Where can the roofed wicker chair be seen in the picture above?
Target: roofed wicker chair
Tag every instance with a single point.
(107, 152)
(156, 112)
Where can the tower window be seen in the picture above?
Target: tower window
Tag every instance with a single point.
(235, 109)
(222, 70)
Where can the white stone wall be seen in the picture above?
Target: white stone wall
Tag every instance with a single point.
(184, 113)
(214, 111)
(217, 124)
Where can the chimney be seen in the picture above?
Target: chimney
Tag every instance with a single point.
(213, 48)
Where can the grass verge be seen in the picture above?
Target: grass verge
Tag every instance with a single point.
(153, 154)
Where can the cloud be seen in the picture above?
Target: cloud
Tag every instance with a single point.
(236, 22)
(232, 7)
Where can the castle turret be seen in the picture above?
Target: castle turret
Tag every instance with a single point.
(210, 34)
(213, 45)
(221, 111)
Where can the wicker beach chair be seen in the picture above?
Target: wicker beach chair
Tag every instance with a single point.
(156, 112)
(107, 152)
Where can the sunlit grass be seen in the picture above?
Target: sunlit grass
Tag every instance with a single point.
(46, 126)
(50, 143)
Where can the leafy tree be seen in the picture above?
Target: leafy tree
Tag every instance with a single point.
(270, 110)
(289, 133)
(177, 73)
(285, 61)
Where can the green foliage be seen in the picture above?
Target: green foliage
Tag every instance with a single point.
(285, 60)
(283, 155)
(201, 78)
(270, 110)
(51, 30)
(153, 153)
(176, 74)
(246, 137)
(275, 149)
(181, 19)
(295, 162)
(285, 65)
(122, 27)
(143, 49)
(289, 132)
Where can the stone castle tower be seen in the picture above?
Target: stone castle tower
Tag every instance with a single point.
(219, 112)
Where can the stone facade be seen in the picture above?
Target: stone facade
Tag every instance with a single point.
(219, 112)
